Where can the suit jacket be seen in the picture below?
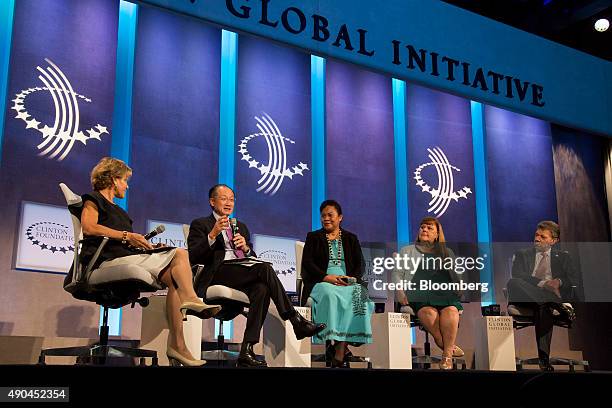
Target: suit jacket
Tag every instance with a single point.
(200, 252)
(561, 267)
(316, 257)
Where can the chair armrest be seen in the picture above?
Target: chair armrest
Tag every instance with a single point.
(407, 309)
(93, 260)
(197, 270)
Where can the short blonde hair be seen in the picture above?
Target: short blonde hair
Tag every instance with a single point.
(103, 175)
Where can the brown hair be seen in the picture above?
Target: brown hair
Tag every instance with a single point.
(551, 226)
(440, 242)
(104, 173)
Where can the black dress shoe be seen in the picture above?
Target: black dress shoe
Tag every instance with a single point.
(248, 358)
(567, 311)
(303, 328)
(339, 363)
(545, 366)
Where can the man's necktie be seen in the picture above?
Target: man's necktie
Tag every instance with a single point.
(238, 252)
(542, 268)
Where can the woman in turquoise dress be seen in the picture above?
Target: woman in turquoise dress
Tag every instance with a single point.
(332, 268)
(437, 310)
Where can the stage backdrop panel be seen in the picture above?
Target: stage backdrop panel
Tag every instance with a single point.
(60, 98)
(70, 100)
(360, 154)
(521, 184)
(440, 162)
(521, 174)
(273, 139)
(60, 102)
(175, 147)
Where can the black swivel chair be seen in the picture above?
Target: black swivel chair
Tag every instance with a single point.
(522, 317)
(110, 287)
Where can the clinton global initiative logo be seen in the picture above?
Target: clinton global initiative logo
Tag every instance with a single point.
(51, 236)
(444, 192)
(57, 138)
(282, 265)
(273, 173)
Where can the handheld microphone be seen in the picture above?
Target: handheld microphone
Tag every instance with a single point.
(234, 226)
(158, 230)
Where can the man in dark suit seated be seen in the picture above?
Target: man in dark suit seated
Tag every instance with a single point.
(211, 241)
(542, 279)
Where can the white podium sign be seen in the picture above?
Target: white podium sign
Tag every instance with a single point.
(495, 344)
(46, 238)
(281, 348)
(173, 235)
(391, 341)
(280, 252)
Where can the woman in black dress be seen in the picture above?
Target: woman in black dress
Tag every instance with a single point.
(103, 218)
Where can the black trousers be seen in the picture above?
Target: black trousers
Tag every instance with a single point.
(541, 301)
(261, 285)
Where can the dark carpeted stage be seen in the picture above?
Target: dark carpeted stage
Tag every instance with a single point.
(104, 385)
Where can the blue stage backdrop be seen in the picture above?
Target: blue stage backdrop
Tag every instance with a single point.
(521, 174)
(440, 162)
(60, 101)
(360, 154)
(175, 147)
(273, 167)
(521, 184)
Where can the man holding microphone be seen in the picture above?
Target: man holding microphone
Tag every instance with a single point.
(212, 241)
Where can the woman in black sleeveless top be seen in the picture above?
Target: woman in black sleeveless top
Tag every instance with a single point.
(101, 217)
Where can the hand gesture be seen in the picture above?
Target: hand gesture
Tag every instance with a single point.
(221, 224)
(553, 286)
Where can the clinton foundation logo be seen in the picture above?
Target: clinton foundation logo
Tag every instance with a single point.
(58, 137)
(51, 236)
(280, 260)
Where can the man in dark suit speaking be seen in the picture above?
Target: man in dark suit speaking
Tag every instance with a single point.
(543, 279)
(212, 243)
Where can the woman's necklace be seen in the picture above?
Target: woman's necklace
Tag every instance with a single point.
(338, 260)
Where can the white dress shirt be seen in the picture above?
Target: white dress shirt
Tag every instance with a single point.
(548, 272)
(229, 250)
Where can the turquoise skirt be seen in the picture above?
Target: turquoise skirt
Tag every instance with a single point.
(346, 310)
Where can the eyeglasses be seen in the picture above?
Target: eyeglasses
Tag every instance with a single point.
(226, 199)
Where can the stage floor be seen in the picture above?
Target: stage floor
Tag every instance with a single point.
(115, 385)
